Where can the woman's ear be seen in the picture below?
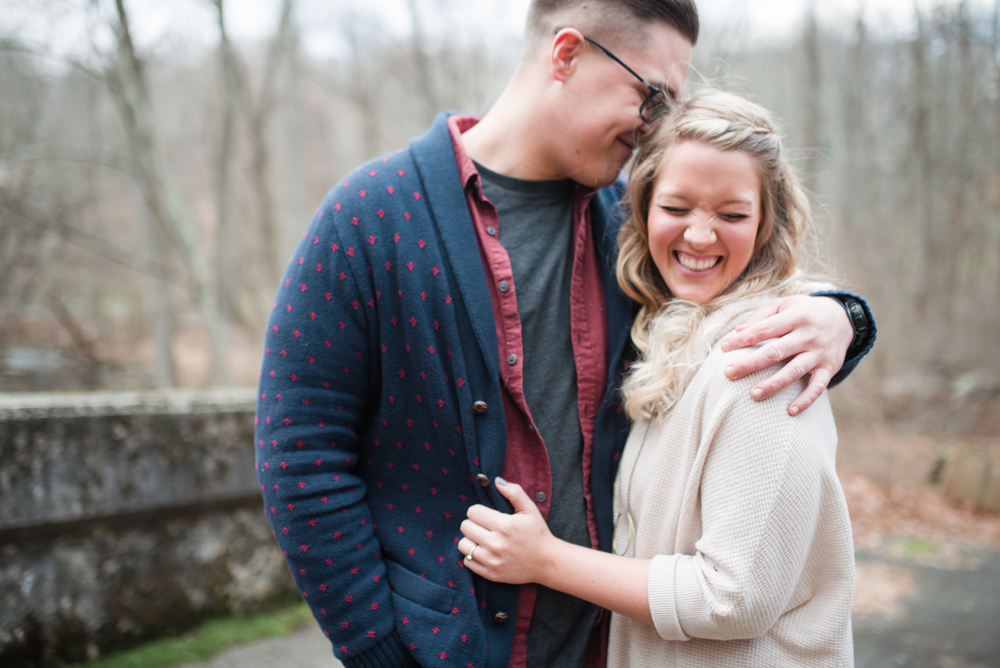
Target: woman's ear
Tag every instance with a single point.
(567, 46)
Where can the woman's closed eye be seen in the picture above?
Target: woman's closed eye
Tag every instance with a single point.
(676, 211)
(734, 217)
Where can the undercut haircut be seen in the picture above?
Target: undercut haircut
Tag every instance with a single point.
(682, 15)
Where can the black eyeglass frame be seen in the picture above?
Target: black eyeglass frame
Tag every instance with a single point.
(656, 104)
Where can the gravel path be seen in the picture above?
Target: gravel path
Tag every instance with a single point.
(307, 648)
(949, 618)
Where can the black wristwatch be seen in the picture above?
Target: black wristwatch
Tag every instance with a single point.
(859, 321)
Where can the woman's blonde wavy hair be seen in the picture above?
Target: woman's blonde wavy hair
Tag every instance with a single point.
(672, 335)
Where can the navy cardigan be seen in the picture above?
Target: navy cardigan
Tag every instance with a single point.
(380, 340)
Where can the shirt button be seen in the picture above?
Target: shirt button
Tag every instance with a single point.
(500, 617)
(504, 286)
(541, 497)
(479, 407)
(492, 231)
(512, 359)
(483, 480)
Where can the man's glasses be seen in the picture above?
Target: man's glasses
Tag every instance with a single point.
(657, 102)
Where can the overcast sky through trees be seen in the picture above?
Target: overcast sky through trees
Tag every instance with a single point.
(158, 159)
(157, 22)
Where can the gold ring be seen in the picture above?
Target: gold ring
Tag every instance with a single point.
(468, 557)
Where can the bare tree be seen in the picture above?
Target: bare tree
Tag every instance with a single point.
(232, 91)
(292, 139)
(921, 153)
(422, 61)
(995, 50)
(159, 314)
(812, 93)
(127, 81)
(358, 84)
(900, 133)
(258, 111)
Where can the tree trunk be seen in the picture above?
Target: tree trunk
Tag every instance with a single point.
(158, 312)
(162, 195)
(359, 91)
(292, 131)
(223, 175)
(921, 155)
(421, 62)
(258, 115)
(812, 89)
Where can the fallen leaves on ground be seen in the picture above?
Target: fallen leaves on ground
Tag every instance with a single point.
(882, 512)
(881, 590)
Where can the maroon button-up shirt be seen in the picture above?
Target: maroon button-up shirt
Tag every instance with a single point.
(527, 461)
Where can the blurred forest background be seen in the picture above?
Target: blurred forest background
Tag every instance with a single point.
(152, 189)
(158, 163)
(151, 194)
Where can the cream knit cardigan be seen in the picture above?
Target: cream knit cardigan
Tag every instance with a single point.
(739, 507)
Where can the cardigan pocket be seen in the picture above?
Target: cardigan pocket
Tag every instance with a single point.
(419, 589)
(429, 622)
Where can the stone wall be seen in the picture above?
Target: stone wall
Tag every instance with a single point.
(127, 516)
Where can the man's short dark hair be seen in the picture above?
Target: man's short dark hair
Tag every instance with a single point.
(682, 15)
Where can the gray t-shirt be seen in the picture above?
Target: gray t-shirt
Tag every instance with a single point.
(536, 229)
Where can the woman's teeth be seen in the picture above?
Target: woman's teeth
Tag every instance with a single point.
(691, 263)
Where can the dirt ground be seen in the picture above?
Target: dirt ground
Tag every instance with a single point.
(890, 455)
(927, 589)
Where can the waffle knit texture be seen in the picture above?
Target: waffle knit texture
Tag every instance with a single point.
(739, 507)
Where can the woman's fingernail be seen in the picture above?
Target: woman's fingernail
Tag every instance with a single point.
(757, 393)
(725, 346)
(793, 410)
(501, 481)
(730, 371)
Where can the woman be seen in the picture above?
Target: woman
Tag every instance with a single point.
(732, 532)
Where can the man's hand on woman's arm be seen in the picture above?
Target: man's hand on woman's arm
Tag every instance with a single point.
(813, 333)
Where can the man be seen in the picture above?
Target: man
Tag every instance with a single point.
(452, 315)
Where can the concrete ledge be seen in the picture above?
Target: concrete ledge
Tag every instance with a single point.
(83, 456)
(75, 404)
(126, 516)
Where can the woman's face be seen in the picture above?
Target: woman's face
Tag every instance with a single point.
(703, 218)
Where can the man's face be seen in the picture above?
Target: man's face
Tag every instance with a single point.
(602, 122)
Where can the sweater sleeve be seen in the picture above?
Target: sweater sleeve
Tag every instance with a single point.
(760, 497)
(313, 399)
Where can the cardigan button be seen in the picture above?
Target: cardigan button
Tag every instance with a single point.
(541, 497)
(512, 359)
(504, 286)
(500, 617)
(492, 231)
(483, 480)
(479, 407)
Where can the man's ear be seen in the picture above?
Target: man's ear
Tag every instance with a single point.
(567, 46)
